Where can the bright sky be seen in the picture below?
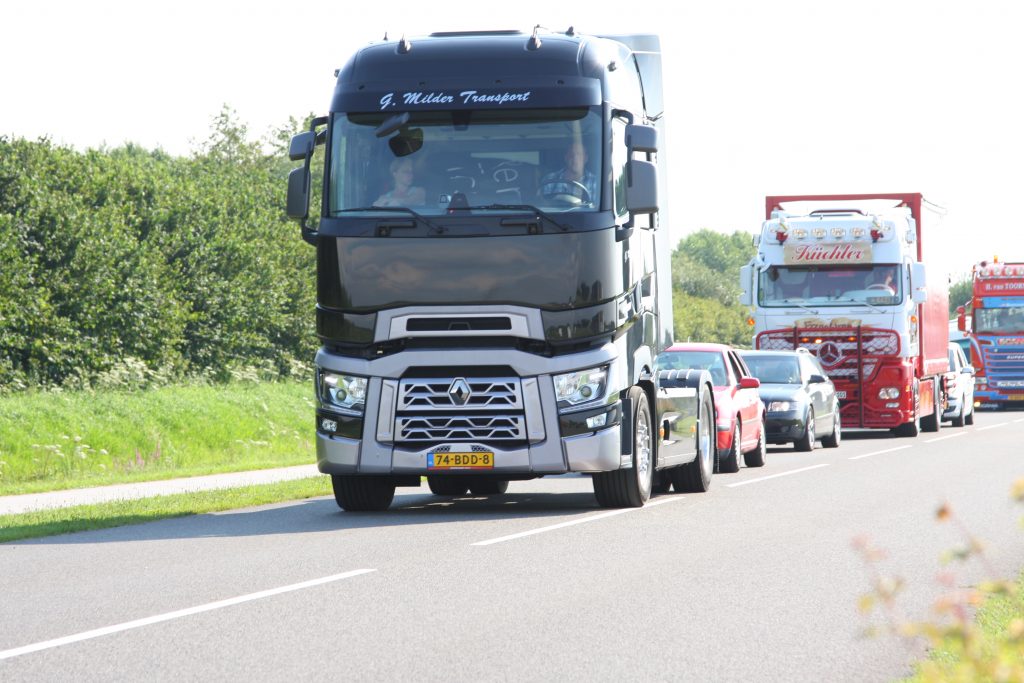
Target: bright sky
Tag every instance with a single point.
(779, 97)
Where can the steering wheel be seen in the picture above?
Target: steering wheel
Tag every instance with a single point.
(880, 285)
(568, 191)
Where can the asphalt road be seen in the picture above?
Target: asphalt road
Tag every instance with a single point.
(756, 580)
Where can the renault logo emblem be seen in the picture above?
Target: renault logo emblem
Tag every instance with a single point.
(829, 353)
(459, 391)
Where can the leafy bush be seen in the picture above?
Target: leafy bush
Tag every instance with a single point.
(125, 256)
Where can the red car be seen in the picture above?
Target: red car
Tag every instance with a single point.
(739, 412)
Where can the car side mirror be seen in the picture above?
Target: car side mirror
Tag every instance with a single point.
(817, 379)
(749, 383)
(968, 370)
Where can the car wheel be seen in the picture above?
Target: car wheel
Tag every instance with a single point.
(756, 457)
(958, 421)
(695, 477)
(807, 442)
(833, 439)
(731, 462)
(448, 486)
(631, 487)
(969, 418)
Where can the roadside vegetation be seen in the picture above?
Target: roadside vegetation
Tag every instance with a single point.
(107, 515)
(68, 439)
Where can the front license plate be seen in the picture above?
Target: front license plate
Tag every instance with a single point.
(840, 394)
(460, 461)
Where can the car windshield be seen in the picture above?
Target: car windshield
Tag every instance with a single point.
(875, 285)
(774, 369)
(711, 361)
(1008, 320)
(436, 161)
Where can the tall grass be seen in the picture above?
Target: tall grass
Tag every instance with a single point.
(57, 440)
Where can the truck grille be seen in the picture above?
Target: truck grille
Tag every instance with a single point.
(836, 348)
(460, 409)
(461, 428)
(1004, 366)
(456, 393)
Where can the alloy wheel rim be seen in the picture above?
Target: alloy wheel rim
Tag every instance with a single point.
(643, 455)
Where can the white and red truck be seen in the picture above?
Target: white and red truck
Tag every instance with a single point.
(995, 325)
(845, 277)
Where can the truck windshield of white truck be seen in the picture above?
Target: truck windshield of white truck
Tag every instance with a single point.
(438, 162)
(873, 285)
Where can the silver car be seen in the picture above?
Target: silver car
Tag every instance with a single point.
(959, 388)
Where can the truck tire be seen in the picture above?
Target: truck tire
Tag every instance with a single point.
(631, 487)
(756, 457)
(491, 487)
(931, 423)
(912, 428)
(731, 462)
(695, 477)
(448, 486)
(362, 493)
(833, 439)
(808, 441)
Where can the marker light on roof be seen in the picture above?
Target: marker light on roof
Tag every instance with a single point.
(838, 233)
(857, 232)
(799, 233)
(818, 232)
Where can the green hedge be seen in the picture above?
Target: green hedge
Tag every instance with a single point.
(129, 264)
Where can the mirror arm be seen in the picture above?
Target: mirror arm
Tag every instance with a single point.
(309, 235)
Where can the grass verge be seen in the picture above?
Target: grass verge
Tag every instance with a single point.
(59, 440)
(992, 648)
(122, 513)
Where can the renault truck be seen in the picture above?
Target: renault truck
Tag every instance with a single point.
(492, 270)
(846, 277)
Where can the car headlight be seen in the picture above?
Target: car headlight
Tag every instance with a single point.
(342, 392)
(582, 386)
(778, 406)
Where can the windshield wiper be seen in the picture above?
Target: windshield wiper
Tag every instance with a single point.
(864, 302)
(516, 207)
(397, 209)
(790, 302)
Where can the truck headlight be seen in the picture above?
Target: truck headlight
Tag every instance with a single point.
(888, 393)
(342, 392)
(778, 406)
(582, 386)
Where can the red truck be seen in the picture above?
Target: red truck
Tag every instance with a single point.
(995, 325)
(844, 276)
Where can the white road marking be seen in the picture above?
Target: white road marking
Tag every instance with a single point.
(887, 450)
(1019, 419)
(773, 476)
(948, 436)
(574, 522)
(147, 621)
(998, 424)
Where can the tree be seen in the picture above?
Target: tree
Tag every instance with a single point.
(959, 295)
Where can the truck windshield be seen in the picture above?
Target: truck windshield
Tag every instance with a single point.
(873, 285)
(434, 162)
(1008, 320)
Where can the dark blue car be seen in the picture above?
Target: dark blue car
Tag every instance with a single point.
(800, 400)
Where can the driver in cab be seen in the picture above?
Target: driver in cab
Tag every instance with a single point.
(573, 179)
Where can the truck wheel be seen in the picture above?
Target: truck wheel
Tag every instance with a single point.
(756, 457)
(833, 439)
(731, 462)
(912, 428)
(448, 486)
(930, 423)
(362, 494)
(807, 442)
(491, 487)
(695, 477)
(631, 487)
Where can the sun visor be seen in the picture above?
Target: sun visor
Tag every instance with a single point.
(506, 94)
